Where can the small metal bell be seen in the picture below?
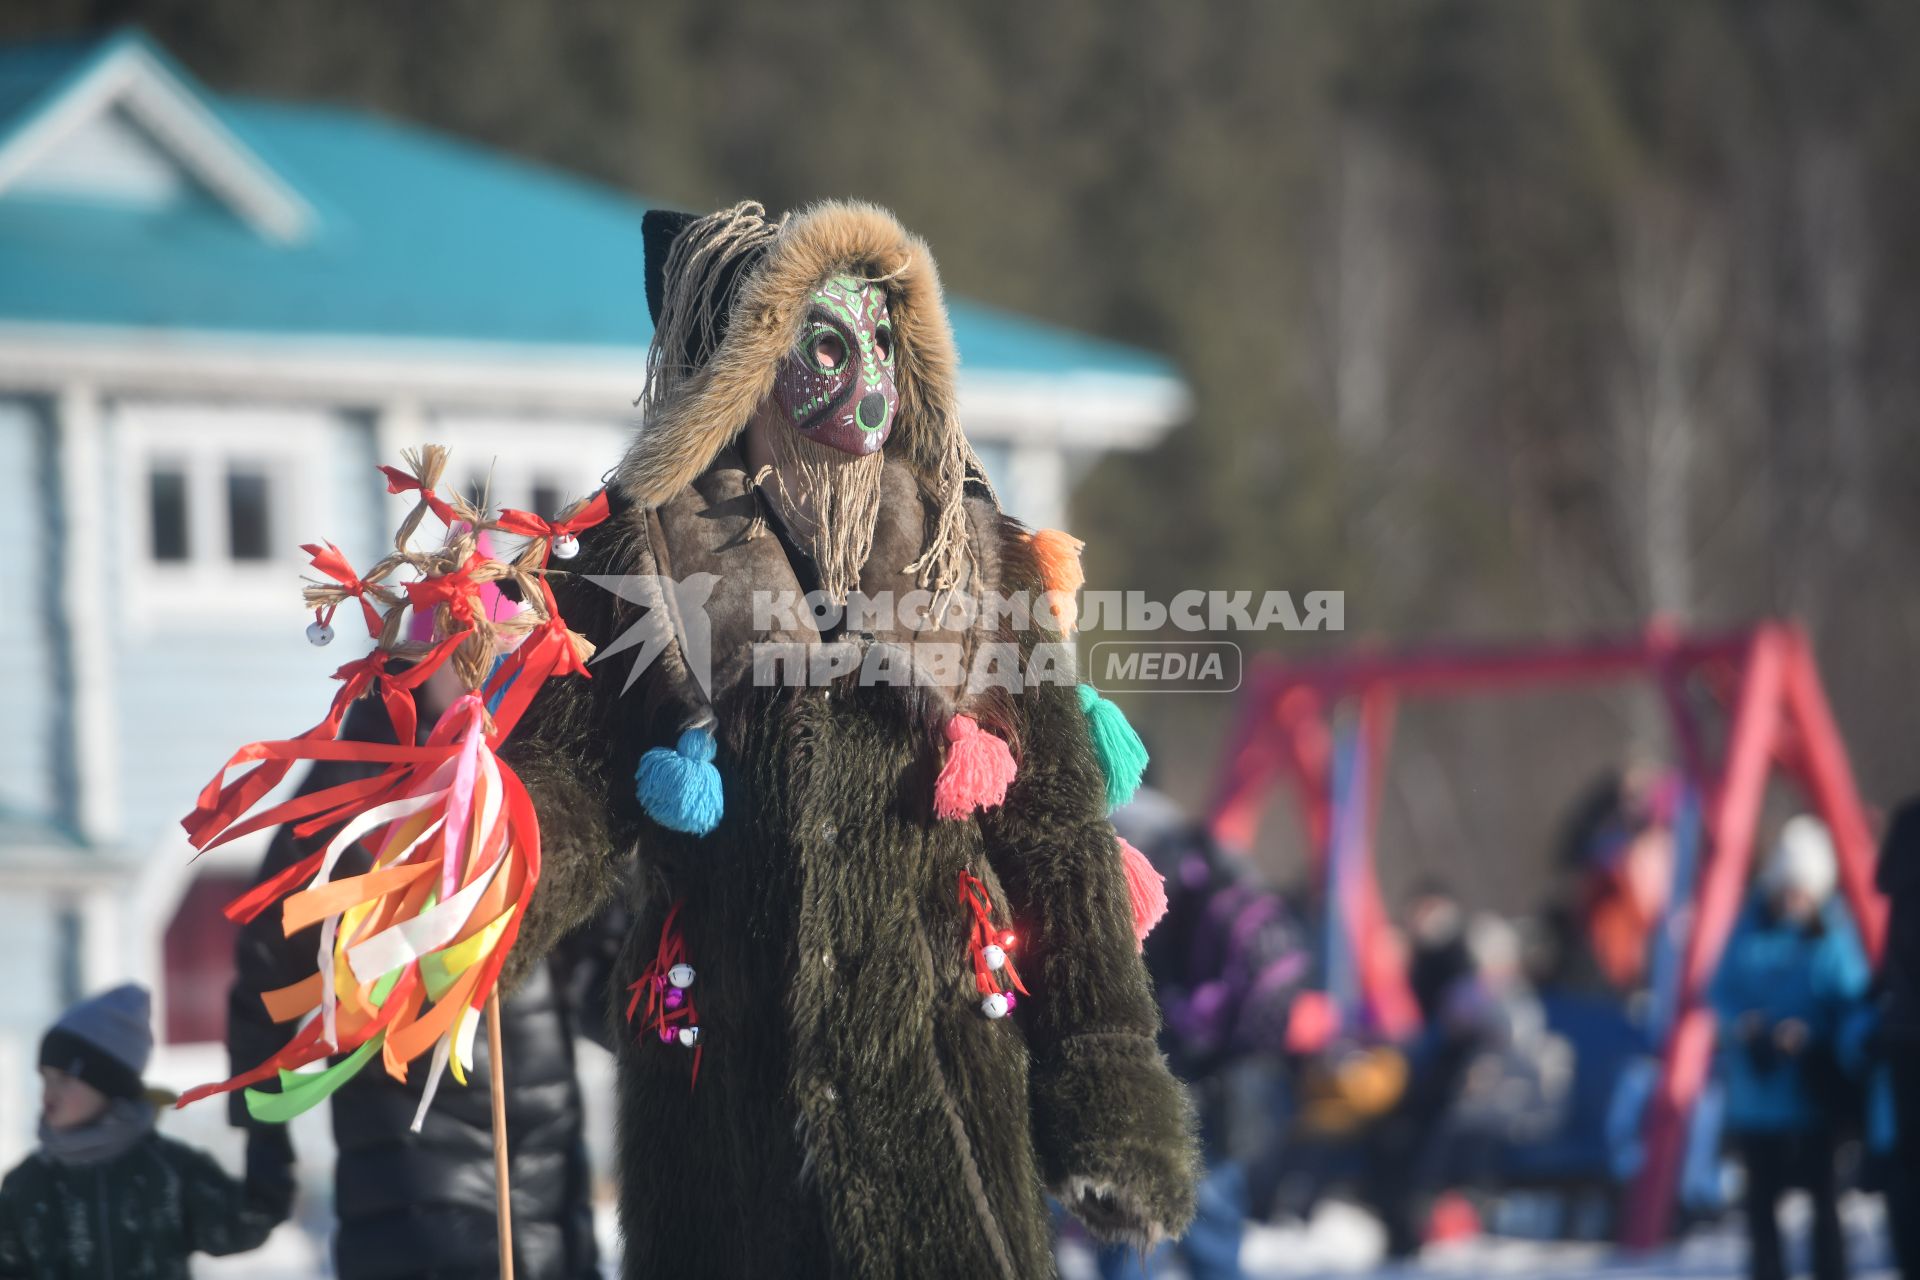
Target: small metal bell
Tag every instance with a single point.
(689, 1037)
(995, 1006)
(668, 1035)
(566, 546)
(995, 957)
(319, 633)
(681, 975)
(675, 997)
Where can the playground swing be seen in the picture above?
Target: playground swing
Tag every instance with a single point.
(1758, 687)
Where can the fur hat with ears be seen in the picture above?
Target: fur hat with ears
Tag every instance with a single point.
(729, 292)
(1803, 859)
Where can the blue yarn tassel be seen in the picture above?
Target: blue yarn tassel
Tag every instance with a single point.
(1123, 757)
(680, 789)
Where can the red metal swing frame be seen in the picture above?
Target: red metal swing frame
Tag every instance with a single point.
(1758, 687)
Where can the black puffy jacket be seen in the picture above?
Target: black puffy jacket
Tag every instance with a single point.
(1899, 880)
(422, 1205)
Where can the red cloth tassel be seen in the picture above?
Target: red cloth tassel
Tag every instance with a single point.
(399, 481)
(528, 525)
(983, 933)
(329, 560)
(457, 590)
(651, 988)
(549, 652)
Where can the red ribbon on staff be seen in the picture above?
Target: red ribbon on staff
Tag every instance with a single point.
(527, 524)
(974, 897)
(221, 802)
(329, 560)
(399, 481)
(456, 589)
(549, 650)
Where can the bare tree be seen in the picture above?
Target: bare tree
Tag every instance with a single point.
(1669, 378)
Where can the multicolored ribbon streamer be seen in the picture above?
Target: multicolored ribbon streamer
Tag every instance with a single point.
(410, 949)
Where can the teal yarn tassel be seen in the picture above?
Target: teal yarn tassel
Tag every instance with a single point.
(680, 789)
(1123, 757)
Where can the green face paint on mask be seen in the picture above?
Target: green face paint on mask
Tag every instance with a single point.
(837, 387)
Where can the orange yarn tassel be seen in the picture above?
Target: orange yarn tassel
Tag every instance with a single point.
(1058, 554)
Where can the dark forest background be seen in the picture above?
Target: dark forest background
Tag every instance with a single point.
(1511, 319)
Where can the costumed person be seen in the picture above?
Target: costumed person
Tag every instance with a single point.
(105, 1194)
(1791, 976)
(418, 1204)
(885, 983)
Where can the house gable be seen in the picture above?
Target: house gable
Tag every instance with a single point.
(124, 126)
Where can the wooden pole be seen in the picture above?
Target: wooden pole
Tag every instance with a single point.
(497, 1082)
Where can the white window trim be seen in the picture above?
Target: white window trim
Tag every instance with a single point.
(291, 443)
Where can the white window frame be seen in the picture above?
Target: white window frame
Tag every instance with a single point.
(289, 443)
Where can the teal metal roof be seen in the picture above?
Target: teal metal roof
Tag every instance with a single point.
(29, 73)
(419, 236)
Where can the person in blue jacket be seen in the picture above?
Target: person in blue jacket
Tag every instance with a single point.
(1792, 973)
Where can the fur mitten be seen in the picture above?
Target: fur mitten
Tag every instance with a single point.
(1115, 1135)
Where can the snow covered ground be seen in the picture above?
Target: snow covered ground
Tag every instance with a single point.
(1341, 1241)
(1344, 1241)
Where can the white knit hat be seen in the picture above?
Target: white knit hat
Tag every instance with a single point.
(1803, 859)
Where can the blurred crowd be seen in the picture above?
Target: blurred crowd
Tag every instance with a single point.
(1519, 1104)
(1516, 1105)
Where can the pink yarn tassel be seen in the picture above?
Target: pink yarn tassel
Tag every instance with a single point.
(978, 770)
(1146, 890)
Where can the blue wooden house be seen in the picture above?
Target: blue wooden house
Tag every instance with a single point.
(216, 315)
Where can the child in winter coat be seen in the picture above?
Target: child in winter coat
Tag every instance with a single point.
(1791, 975)
(105, 1195)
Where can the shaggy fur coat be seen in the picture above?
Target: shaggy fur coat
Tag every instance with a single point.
(855, 1114)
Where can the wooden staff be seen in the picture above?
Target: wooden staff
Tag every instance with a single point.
(496, 1074)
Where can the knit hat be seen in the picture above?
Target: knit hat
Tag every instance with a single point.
(104, 1041)
(1803, 859)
